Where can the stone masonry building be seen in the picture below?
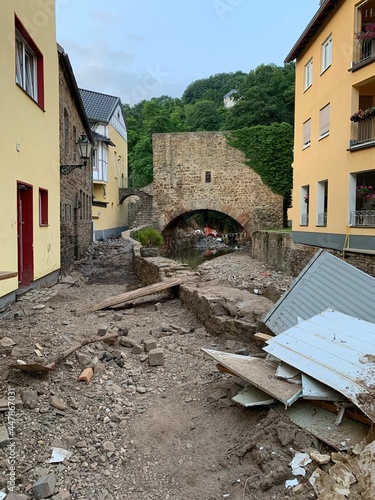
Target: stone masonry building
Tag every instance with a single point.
(76, 186)
(200, 171)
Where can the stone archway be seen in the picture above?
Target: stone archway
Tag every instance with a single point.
(142, 213)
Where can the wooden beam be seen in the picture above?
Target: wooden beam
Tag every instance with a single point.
(262, 336)
(133, 294)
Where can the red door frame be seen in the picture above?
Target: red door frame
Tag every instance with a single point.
(25, 233)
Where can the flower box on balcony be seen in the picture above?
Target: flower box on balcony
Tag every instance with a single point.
(366, 34)
(362, 115)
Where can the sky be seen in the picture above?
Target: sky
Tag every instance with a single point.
(139, 49)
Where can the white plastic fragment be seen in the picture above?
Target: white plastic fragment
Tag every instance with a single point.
(289, 483)
(59, 455)
(298, 463)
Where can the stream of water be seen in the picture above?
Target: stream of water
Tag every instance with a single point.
(193, 257)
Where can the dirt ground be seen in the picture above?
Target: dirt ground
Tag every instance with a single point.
(135, 431)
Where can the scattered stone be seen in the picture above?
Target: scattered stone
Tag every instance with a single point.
(158, 306)
(125, 342)
(39, 307)
(215, 396)
(7, 342)
(137, 349)
(57, 403)
(62, 495)
(4, 436)
(102, 330)
(156, 357)
(225, 403)
(45, 486)
(15, 496)
(149, 344)
(84, 359)
(141, 390)
(108, 446)
(319, 458)
(117, 317)
(29, 398)
(230, 345)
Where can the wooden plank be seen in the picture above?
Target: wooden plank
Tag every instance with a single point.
(262, 336)
(321, 423)
(258, 372)
(4, 275)
(133, 294)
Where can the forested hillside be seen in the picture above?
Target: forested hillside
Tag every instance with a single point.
(263, 97)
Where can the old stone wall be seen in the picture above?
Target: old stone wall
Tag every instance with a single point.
(76, 187)
(278, 251)
(200, 171)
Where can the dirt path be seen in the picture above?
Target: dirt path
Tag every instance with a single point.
(136, 431)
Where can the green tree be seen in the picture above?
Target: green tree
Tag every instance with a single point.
(213, 88)
(202, 116)
(266, 96)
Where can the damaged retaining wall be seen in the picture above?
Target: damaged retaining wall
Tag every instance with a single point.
(235, 314)
(278, 251)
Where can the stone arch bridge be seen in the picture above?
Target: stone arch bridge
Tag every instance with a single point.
(200, 171)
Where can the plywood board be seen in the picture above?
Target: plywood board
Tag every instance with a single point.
(133, 294)
(258, 372)
(321, 424)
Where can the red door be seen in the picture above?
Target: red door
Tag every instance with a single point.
(25, 233)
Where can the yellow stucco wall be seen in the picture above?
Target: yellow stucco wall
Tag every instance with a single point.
(115, 215)
(35, 132)
(328, 158)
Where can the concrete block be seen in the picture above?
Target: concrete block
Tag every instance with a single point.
(45, 486)
(156, 357)
(149, 344)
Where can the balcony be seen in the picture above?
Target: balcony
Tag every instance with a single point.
(364, 54)
(363, 134)
(362, 218)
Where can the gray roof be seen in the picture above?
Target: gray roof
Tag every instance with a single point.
(103, 138)
(326, 282)
(99, 107)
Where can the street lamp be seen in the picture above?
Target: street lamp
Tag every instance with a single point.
(84, 146)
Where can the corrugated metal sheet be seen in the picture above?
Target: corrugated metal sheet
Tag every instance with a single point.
(335, 349)
(326, 282)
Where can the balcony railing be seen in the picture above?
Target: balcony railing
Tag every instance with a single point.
(304, 220)
(363, 218)
(322, 219)
(363, 132)
(364, 52)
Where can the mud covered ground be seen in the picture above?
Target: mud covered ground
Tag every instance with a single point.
(137, 431)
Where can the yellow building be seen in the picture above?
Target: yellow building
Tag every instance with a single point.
(29, 135)
(334, 148)
(109, 161)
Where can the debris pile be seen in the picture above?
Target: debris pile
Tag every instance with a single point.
(321, 370)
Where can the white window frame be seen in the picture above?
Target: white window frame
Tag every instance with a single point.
(327, 53)
(306, 139)
(26, 67)
(308, 74)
